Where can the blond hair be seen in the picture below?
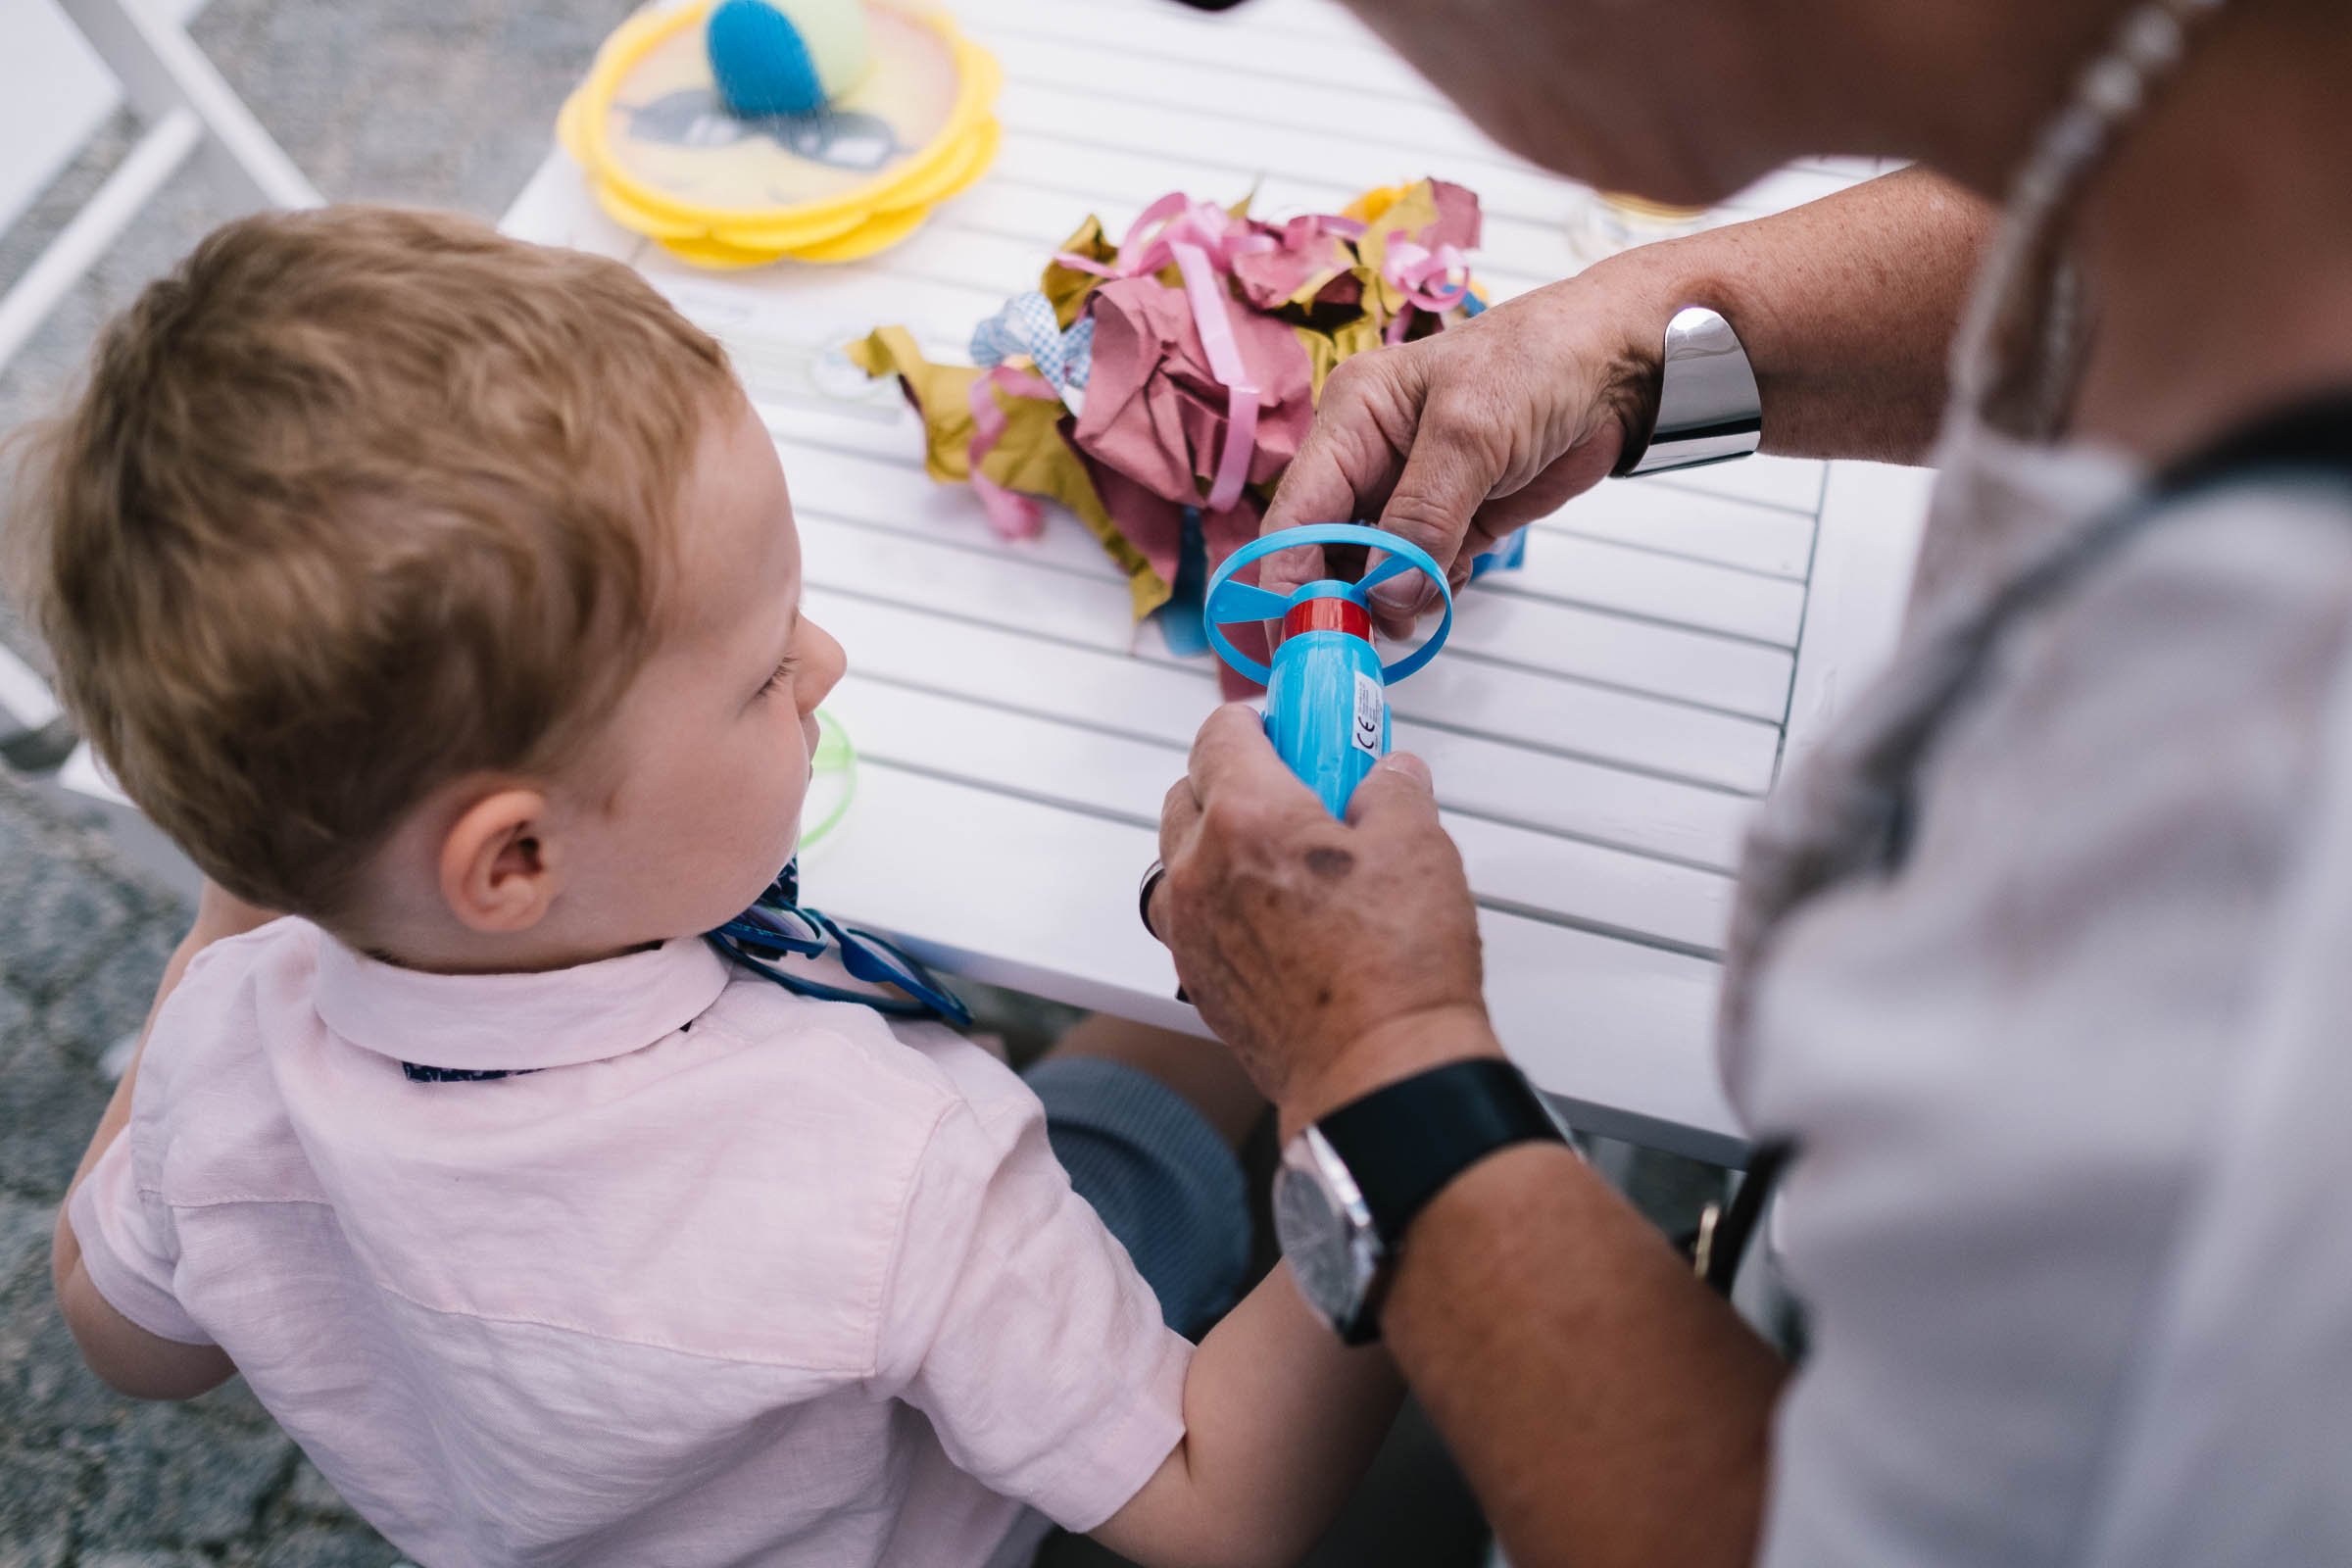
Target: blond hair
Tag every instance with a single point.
(357, 502)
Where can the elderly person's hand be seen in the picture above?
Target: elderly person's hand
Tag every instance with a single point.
(1332, 957)
(1458, 440)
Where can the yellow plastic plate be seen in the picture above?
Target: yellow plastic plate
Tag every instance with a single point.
(666, 159)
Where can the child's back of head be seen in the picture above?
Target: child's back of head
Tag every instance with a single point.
(357, 502)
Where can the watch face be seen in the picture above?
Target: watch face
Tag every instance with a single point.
(1315, 1237)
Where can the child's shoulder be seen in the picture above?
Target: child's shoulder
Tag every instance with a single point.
(234, 981)
(855, 1050)
(208, 1113)
(288, 938)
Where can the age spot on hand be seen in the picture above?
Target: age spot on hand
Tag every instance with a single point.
(1329, 862)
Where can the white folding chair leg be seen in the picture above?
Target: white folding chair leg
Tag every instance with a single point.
(162, 70)
(79, 245)
(188, 109)
(26, 701)
(35, 737)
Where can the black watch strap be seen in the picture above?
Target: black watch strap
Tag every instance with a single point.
(1404, 1142)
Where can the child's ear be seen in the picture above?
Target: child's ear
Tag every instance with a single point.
(498, 870)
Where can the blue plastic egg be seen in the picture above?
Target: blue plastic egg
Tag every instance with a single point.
(791, 58)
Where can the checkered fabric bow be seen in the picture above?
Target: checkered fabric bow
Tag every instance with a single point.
(1027, 325)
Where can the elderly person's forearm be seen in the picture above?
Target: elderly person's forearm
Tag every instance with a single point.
(1607, 1408)
(1846, 307)
(1599, 1395)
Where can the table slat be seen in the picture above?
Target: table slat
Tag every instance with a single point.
(1707, 527)
(1621, 1030)
(1079, 115)
(1404, 127)
(1162, 706)
(1234, 44)
(1661, 587)
(1514, 868)
(1791, 482)
(1567, 569)
(985, 584)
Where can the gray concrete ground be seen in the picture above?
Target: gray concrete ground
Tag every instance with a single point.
(441, 102)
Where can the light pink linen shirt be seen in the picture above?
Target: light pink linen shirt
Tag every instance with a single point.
(734, 1277)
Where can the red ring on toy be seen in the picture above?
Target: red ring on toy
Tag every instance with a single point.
(1331, 613)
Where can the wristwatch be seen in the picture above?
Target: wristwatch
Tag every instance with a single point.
(1349, 1186)
(1708, 406)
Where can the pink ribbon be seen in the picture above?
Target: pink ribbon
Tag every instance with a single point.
(1425, 277)
(1201, 240)
(1172, 219)
(1205, 286)
(1011, 514)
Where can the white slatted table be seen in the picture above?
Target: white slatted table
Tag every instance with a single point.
(1599, 728)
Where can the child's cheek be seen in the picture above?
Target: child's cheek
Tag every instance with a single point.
(790, 773)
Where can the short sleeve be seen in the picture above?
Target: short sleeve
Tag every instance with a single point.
(127, 1246)
(1018, 1325)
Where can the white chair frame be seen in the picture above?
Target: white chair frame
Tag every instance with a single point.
(187, 112)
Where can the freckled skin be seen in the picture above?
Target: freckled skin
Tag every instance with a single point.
(1297, 934)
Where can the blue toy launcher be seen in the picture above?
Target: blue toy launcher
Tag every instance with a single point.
(1326, 708)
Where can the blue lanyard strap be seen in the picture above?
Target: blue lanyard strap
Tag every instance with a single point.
(778, 929)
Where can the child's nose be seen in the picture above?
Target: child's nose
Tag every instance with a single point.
(827, 664)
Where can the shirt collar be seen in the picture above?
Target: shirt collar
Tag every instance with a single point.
(516, 1022)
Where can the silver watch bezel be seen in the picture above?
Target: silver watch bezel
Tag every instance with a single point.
(1309, 1158)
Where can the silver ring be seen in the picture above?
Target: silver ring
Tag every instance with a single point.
(1142, 896)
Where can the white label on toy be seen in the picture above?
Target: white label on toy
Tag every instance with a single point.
(1370, 710)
